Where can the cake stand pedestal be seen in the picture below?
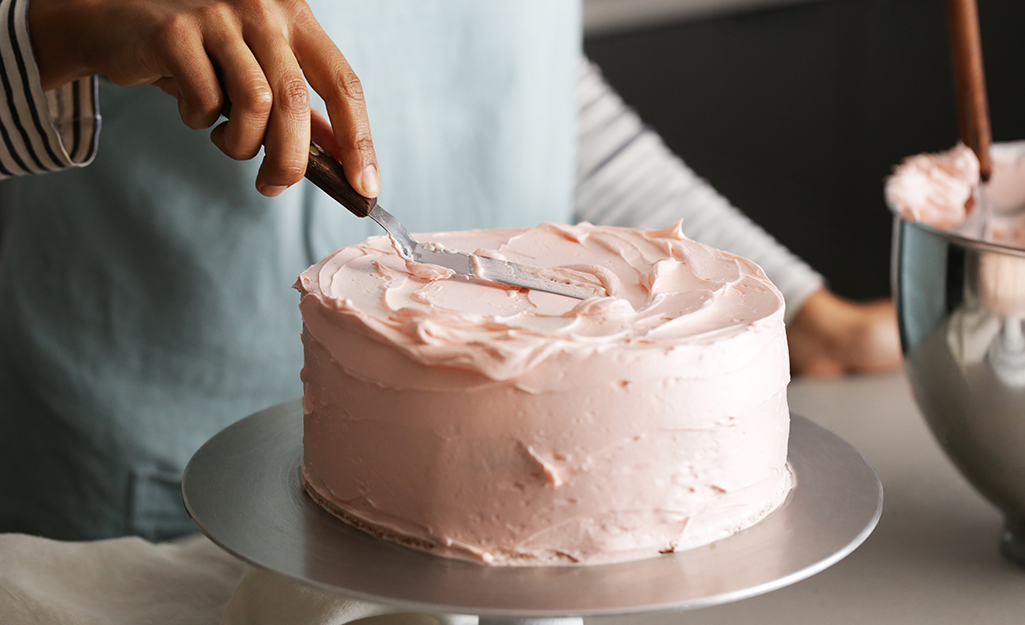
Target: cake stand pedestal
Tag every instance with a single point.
(242, 489)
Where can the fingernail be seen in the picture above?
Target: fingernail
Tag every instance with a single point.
(272, 190)
(371, 180)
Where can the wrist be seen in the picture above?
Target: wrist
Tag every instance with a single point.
(831, 335)
(53, 27)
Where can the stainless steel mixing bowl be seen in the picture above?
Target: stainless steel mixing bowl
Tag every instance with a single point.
(961, 306)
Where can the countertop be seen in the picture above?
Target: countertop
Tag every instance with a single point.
(934, 557)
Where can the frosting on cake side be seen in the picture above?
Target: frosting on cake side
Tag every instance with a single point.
(519, 427)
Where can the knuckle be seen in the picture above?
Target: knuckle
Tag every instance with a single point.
(177, 23)
(304, 20)
(299, 11)
(293, 95)
(350, 85)
(210, 11)
(169, 35)
(258, 100)
(216, 14)
(209, 101)
(201, 109)
(189, 116)
(260, 11)
(206, 106)
(363, 143)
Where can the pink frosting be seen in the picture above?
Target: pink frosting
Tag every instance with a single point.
(936, 189)
(519, 427)
(940, 190)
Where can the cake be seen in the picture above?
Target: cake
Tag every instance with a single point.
(516, 427)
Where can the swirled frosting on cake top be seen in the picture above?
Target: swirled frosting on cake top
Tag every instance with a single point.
(652, 287)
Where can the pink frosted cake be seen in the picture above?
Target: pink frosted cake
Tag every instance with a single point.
(517, 427)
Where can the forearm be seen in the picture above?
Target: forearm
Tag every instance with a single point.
(40, 131)
(628, 177)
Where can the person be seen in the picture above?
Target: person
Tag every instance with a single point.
(144, 301)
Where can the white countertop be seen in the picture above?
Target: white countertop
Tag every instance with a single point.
(932, 559)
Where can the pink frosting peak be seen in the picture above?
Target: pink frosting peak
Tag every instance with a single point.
(934, 189)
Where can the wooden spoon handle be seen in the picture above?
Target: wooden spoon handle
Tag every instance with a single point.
(970, 81)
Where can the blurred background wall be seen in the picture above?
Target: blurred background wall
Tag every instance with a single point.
(798, 110)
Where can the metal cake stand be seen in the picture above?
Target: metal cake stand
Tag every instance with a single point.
(242, 489)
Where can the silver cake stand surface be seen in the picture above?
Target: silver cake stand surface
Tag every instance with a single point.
(242, 489)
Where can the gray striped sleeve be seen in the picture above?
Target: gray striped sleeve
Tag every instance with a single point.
(40, 131)
(626, 176)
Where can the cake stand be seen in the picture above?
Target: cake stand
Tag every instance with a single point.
(242, 489)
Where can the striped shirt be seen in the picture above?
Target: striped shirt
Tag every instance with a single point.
(40, 132)
(625, 174)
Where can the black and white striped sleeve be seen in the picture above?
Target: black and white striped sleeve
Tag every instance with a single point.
(626, 176)
(40, 131)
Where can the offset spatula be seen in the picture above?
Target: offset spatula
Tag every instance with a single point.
(327, 173)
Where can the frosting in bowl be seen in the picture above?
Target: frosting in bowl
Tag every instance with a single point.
(942, 190)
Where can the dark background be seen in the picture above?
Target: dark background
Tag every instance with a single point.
(797, 114)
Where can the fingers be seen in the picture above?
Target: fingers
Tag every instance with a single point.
(250, 96)
(199, 93)
(323, 135)
(287, 140)
(269, 105)
(332, 77)
(258, 54)
(168, 86)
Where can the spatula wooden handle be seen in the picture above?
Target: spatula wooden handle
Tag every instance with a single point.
(327, 173)
(969, 80)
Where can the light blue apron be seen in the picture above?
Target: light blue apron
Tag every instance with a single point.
(146, 301)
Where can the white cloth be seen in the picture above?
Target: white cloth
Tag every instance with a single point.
(129, 581)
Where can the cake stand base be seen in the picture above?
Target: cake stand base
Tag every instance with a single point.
(243, 491)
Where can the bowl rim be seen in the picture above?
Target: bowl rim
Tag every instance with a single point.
(964, 241)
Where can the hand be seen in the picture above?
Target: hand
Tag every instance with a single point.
(831, 336)
(257, 53)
